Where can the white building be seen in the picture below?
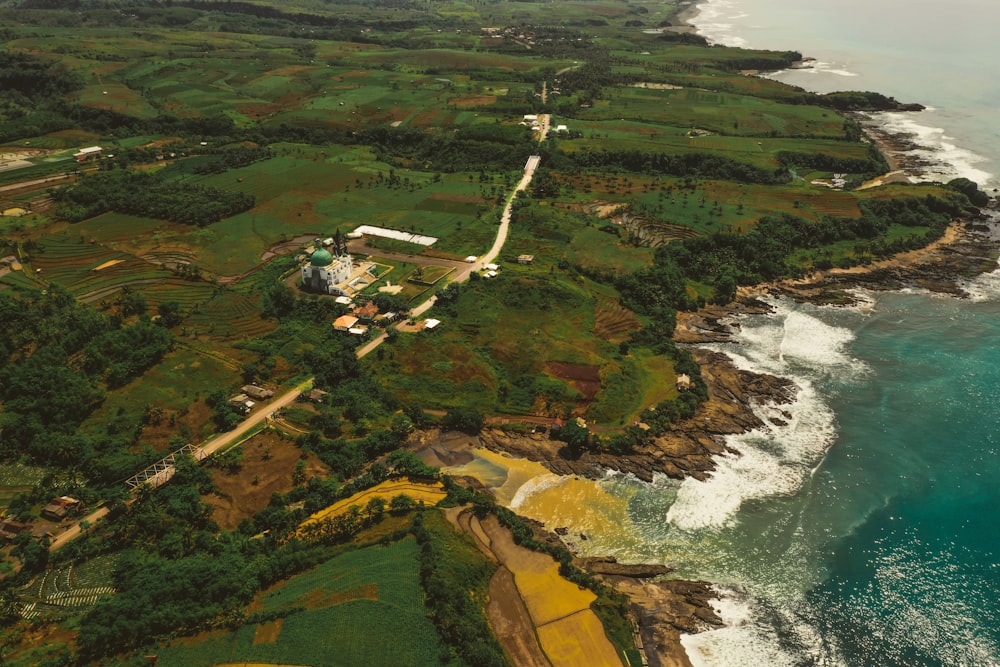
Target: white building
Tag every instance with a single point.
(325, 273)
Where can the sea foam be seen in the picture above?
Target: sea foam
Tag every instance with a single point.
(718, 21)
(745, 642)
(777, 459)
(943, 158)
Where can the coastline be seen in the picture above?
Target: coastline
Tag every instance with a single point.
(666, 610)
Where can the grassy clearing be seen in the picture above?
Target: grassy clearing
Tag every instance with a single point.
(512, 347)
(179, 380)
(725, 113)
(592, 248)
(758, 150)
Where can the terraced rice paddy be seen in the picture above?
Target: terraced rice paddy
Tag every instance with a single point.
(92, 271)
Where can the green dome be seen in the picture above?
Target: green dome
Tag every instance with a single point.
(321, 258)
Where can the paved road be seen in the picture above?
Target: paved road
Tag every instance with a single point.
(207, 449)
(38, 181)
(264, 410)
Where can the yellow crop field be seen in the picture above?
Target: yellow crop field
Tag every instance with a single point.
(547, 595)
(429, 494)
(569, 631)
(578, 640)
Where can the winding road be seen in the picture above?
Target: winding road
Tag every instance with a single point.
(264, 411)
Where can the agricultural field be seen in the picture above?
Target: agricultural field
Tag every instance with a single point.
(757, 149)
(526, 343)
(67, 588)
(18, 478)
(738, 115)
(569, 632)
(176, 386)
(426, 494)
(367, 604)
(305, 192)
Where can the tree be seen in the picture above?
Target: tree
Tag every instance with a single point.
(576, 436)
(467, 420)
(401, 504)
(170, 314)
(374, 510)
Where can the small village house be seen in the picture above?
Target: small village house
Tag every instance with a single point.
(9, 529)
(259, 393)
(59, 508)
(242, 403)
(367, 312)
(345, 322)
(89, 153)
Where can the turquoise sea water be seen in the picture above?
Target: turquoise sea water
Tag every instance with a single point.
(859, 528)
(943, 55)
(888, 551)
(862, 529)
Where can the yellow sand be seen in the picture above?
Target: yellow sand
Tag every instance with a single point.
(429, 494)
(531, 490)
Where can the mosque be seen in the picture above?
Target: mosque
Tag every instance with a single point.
(329, 271)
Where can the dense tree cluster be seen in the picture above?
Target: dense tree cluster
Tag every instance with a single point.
(233, 158)
(151, 196)
(55, 358)
(448, 579)
(693, 165)
(26, 79)
(874, 163)
(727, 259)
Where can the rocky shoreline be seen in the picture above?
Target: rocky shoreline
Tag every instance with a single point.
(666, 609)
(689, 450)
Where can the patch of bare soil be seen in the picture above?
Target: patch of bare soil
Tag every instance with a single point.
(319, 598)
(511, 623)
(585, 379)
(165, 425)
(475, 100)
(507, 614)
(268, 466)
(267, 633)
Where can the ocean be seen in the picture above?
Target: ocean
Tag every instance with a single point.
(942, 55)
(859, 529)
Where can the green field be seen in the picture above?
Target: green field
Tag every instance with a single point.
(184, 376)
(364, 607)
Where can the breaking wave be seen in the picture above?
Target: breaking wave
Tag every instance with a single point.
(775, 460)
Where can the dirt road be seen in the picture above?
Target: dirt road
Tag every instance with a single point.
(264, 411)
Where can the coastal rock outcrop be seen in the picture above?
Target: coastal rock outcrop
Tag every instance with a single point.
(664, 610)
(688, 450)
